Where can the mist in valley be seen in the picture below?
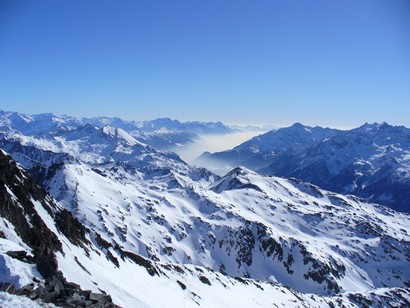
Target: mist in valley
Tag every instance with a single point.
(214, 143)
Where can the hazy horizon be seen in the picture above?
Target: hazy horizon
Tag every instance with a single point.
(245, 127)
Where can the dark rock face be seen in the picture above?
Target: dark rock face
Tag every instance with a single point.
(320, 271)
(34, 232)
(18, 193)
(182, 285)
(61, 293)
(205, 280)
(71, 228)
(20, 255)
(137, 259)
(151, 269)
(269, 245)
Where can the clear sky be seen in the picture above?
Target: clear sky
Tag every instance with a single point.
(335, 63)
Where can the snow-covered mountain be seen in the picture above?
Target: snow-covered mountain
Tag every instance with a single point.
(259, 151)
(162, 134)
(48, 255)
(150, 230)
(372, 161)
(196, 127)
(42, 246)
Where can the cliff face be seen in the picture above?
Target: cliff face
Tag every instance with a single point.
(20, 202)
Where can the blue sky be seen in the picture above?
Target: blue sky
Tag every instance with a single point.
(332, 63)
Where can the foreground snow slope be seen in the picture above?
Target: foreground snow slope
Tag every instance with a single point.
(82, 256)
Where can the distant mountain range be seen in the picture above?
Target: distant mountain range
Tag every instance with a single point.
(372, 161)
(90, 215)
(163, 134)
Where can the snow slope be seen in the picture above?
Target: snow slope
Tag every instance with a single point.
(83, 256)
(243, 224)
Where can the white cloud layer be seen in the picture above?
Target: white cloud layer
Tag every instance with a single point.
(214, 143)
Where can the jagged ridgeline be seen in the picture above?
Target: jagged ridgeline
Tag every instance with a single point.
(125, 220)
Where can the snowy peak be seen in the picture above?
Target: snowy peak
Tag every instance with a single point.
(238, 178)
(382, 129)
(36, 124)
(297, 137)
(160, 123)
(121, 134)
(82, 131)
(258, 152)
(366, 127)
(196, 127)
